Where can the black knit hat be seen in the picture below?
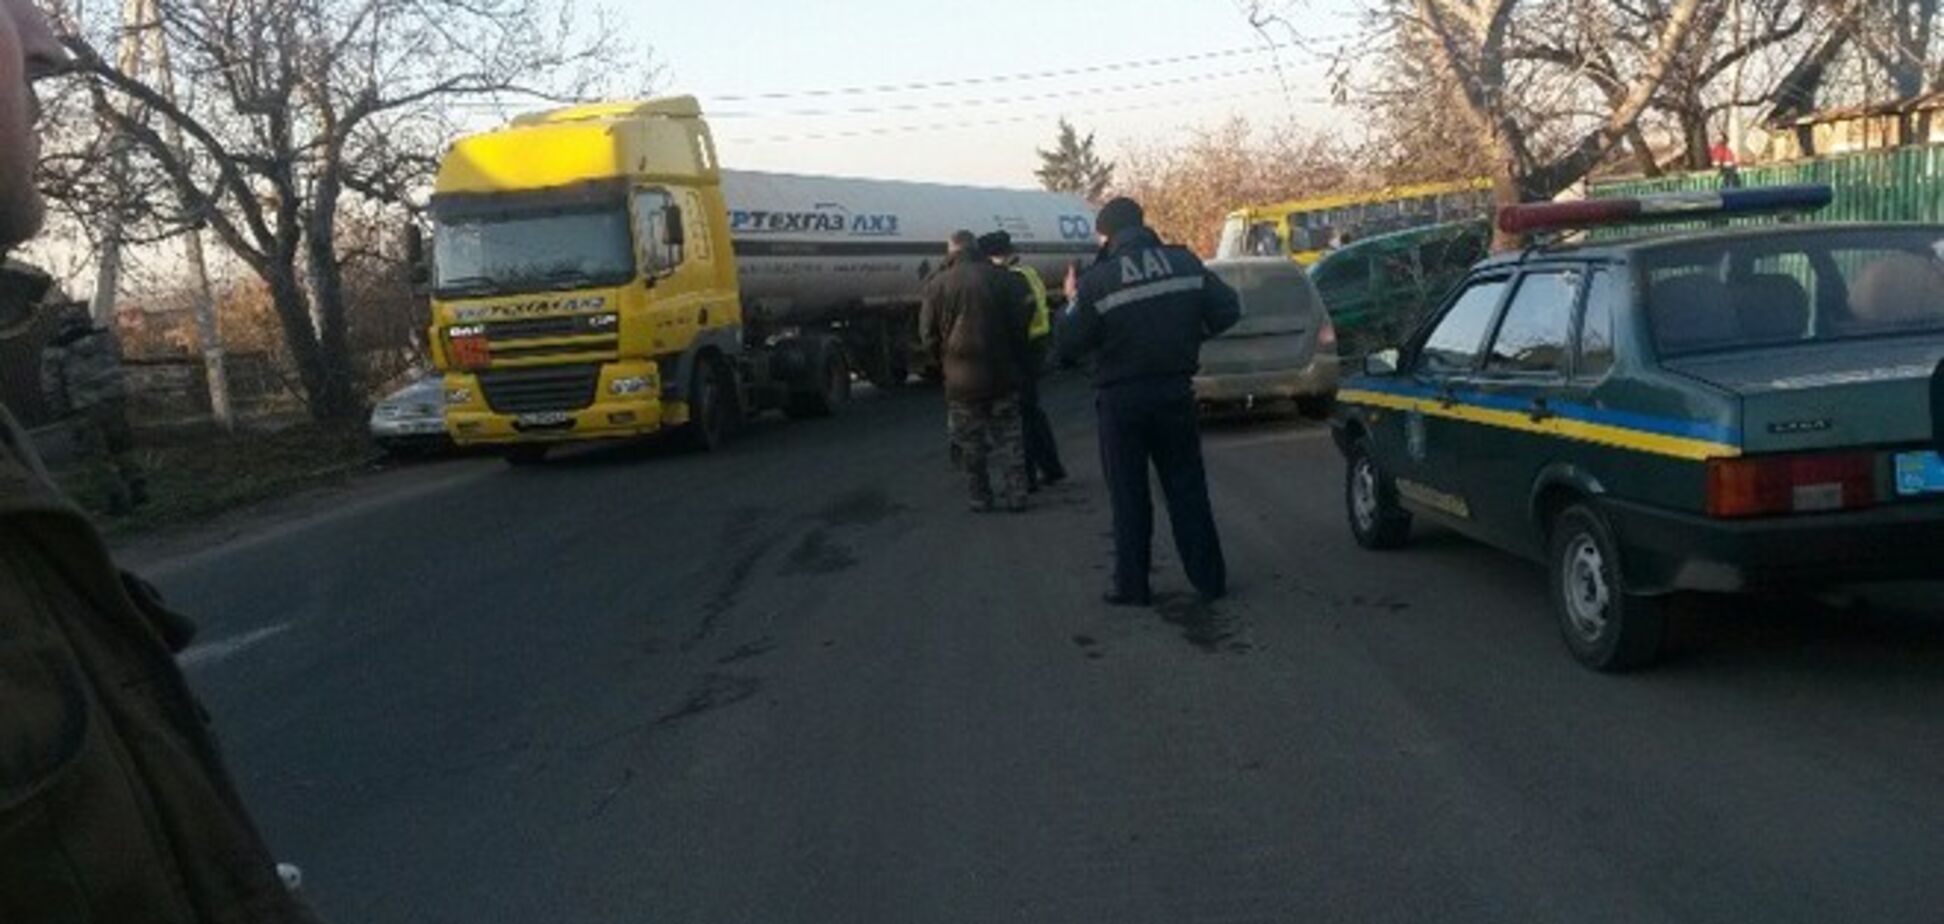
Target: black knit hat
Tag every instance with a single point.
(996, 244)
(1119, 214)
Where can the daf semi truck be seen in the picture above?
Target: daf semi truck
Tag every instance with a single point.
(595, 274)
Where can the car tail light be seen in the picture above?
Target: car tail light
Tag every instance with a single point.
(1327, 336)
(1764, 485)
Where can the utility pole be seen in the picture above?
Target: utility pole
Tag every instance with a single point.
(143, 42)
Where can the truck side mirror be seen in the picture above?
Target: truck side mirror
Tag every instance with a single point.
(1381, 363)
(673, 232)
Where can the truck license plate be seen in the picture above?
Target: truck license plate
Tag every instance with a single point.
(1920, 473)
(544, 418)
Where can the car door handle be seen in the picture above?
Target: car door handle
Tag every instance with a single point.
(1540, 410)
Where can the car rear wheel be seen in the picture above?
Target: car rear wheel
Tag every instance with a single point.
(1377, 520)
(1605, 627)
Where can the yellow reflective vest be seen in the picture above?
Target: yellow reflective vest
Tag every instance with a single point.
(1042, 321)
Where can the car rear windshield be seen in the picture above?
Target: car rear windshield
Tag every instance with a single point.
(1814, 285)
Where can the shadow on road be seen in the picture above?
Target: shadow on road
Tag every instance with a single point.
(1888, 634)
(1885, 634)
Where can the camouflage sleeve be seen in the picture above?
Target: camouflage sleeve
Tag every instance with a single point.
(930, 336)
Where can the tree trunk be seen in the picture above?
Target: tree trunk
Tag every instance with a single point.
(324, 394)
(1507, 189)
(1694, 136)
(1643, 153)
(327, 294)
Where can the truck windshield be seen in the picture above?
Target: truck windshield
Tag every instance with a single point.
(1753, 291)
(510, 253)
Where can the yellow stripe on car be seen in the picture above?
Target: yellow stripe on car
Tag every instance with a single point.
(1627, 438)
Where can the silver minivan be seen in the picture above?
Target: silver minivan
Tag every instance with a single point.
(1284, 348)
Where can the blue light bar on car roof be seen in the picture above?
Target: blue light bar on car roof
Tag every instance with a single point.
(1589, 213)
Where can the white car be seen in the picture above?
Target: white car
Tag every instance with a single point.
(412, 419)
(1283, 348)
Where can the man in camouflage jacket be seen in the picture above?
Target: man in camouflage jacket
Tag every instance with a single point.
(81, 377)
(114, 804)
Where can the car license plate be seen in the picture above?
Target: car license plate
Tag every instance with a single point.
(544, 418)
(1920, 473)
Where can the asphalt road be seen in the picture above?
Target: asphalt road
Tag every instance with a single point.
(795, 681)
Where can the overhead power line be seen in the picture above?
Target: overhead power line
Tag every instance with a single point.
(989, 123)
(997, 100)
(1003, 78)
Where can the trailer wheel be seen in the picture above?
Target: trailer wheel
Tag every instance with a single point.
(831, 387)
(712, 398)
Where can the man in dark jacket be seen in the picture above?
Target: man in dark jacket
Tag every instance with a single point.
(1143, 310)
(1043, 464)
(114, 804)
(973, 323)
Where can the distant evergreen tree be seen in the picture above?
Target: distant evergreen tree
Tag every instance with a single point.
(1073, 167)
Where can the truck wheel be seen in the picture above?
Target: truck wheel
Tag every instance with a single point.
(1377, 520)
(1605, 627)
(527, 454)
(832, 388)
(711, 399)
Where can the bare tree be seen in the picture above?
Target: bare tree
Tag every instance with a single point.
(288, 107)
(1187, 185)
(1542, 121)
(1693, 91)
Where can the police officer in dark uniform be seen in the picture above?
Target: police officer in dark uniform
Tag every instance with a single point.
(1143, 310)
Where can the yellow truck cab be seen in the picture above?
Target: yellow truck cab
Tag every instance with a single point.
(584, 287)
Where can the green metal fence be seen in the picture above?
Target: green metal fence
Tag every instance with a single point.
(1899, 184)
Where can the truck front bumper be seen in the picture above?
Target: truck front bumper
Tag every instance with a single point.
(626, 403)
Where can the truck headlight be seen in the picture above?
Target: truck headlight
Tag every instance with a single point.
(628, 385)
(458, 396)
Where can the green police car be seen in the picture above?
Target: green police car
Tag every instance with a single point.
(1729, 410)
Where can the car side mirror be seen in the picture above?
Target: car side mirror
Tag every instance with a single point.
(673, 233)
(1382, 362)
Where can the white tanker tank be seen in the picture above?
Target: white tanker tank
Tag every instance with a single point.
(816, 249)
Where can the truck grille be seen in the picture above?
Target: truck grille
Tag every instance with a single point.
(526, 391)
(605, 347)
(536, 328)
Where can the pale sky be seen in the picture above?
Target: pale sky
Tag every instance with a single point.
(737, 49)
(1133, 71)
